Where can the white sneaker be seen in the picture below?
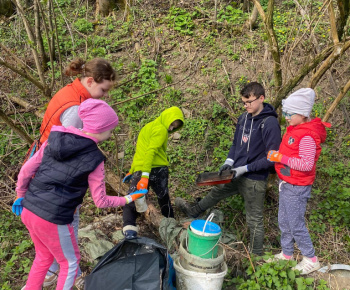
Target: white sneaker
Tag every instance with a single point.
(306, 266)
(277, 257)
(51, 279)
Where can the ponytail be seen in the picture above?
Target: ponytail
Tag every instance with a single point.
(98, 68)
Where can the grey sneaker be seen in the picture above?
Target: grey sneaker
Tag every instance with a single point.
(306, 266)
(191, 211)
(277, 257)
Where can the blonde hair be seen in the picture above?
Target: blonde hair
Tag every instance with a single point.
(98, 68)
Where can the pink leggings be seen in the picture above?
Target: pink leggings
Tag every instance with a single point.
(51, 241)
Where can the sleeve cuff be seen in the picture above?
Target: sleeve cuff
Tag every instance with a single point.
(284, 160)
(145, 174)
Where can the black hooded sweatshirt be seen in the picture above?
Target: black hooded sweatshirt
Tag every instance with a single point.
(253, 138)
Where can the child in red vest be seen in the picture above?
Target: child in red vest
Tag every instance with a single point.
(296, 168)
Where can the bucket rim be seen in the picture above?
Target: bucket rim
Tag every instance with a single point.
(211, 229)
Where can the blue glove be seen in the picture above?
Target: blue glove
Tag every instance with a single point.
(135, 195)
(240, 170)
(127, 178)
(17, 206)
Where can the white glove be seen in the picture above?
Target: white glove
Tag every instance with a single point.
(240, 170)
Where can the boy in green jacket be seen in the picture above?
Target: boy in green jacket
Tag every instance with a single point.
(150, 165)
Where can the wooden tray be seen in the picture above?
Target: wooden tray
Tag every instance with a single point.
(212, 178)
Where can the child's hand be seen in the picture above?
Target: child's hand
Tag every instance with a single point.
(135, 195)
(143, 183)
(17, 206)
(127, 178)
(274, 156)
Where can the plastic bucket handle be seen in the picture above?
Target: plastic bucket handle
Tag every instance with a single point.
(210, 217)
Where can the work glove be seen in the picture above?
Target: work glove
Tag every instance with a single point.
(274, 156)
(17, 206)
(226, 166)
(143, 183)
(127, 178)
(135, 195)
(240, 170)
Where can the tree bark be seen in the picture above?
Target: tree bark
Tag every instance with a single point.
(344, 12)
(332, 21)
(104, 7)
(6, 8)
(38, 38)
(251, 22)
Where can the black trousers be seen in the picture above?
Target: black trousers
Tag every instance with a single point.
(158, 181)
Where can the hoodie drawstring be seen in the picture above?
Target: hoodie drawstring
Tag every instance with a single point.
(245, 121)
(250, 133)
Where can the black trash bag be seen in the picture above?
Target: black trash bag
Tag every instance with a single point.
(136, 264)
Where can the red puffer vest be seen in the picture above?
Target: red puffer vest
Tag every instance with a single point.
(290, 147)
(71, 95)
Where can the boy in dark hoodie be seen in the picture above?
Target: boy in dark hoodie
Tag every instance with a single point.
(257, 132)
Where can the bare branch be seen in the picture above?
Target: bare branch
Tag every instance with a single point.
(23, 135)
(338, 50)
(313, 63)
(32, 39)
(341, 95)
(334, 32)
(272, 40)
(24, 74)
(57, 42)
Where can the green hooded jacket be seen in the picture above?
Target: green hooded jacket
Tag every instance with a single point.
(153, 140)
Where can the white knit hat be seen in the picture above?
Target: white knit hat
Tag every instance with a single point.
(300, 102)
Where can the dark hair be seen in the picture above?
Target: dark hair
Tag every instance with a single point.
(254, 89)
(98, 68)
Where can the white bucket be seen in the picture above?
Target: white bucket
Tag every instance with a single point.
(198, 264)
(141, 204)
(190, 280)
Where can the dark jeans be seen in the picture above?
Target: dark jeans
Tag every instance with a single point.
(253, 192)
(158, 181)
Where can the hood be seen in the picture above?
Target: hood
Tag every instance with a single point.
(170, 115)
(317, 126)
(268, 110)
(63, 142)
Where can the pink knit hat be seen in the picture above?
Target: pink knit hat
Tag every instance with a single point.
(97, 116)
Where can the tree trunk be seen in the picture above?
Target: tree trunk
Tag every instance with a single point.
(344, 12)
(104, 7)
(6, 8)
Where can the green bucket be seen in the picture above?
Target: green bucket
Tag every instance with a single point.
(203, 239)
